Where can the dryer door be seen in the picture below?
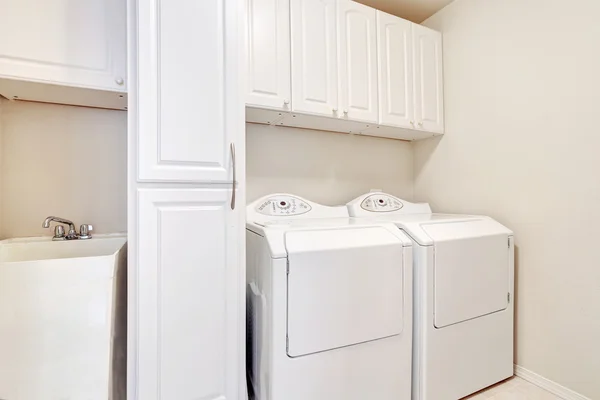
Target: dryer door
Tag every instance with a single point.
(345, 286)
(471, 270)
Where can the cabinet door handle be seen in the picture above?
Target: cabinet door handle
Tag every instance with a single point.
(234, 182)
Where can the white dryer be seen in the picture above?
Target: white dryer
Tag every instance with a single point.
(463, 309)
(329, 304)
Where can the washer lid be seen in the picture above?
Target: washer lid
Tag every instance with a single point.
(345, 286)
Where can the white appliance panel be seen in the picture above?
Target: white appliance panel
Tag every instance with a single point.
(471, 274)
(343, 295)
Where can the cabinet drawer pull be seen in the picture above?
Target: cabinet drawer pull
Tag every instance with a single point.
(234, 182)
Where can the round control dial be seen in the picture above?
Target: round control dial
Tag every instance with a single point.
(283, 206)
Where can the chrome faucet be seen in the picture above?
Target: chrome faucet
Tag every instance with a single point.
(59, 230)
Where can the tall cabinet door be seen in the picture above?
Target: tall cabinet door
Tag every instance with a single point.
(187, 84)
(357, 43)
(314, 57)
(428, 79)
(394, 41)
(186, 279)
(189, 288)
(268, 50)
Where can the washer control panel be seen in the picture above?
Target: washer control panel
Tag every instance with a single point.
(283, 206)
(381, 203)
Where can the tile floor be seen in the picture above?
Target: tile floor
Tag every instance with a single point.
(513, 389)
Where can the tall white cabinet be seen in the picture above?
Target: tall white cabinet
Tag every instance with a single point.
(186, 200)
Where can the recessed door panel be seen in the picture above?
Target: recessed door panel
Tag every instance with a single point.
(471, 272)
(428, 79)
(395, 71)
(357, 43)
(268, 44)
(344, 287)
(189, 103)
(314, 57)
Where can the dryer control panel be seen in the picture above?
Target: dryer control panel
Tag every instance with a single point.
(373, 203)
(381, 203)
(283, 205)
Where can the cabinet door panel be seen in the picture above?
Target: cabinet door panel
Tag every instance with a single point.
(428, 78)
(74, 43)
(268, 43)
(357, 43)
(189, 318)
(314, 57)
(395, 71)
(188, 89)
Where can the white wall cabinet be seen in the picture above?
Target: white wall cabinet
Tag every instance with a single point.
(268, 54)
(357, 43)
(353, 69)
(396, 102)
(428, 79)
(61, 51)
(186, 203)
(314, 57)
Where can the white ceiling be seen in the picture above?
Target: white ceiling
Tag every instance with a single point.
(412, 10)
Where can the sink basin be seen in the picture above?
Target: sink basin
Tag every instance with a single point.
(63, 318)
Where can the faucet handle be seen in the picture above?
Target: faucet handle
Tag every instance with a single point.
(59, 232)
(84, 231)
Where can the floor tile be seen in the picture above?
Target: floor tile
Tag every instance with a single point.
(513, 389)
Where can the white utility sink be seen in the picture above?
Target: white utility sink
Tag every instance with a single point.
(63, 315)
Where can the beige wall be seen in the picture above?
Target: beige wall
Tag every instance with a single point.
(61, 160)
(522, 144)
(329, 168)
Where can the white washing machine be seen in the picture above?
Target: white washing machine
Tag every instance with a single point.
(463, 309)
(329, 303)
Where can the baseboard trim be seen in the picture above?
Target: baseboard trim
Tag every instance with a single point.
(547, 384)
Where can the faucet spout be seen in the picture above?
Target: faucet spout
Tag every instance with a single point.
(47, 221)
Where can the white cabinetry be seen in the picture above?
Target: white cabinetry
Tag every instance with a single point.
(186, 325)
(429, 88)
(188, 297)
(353, 69)
(62, 51)
(314, 57)
(358, 61)
(186, 91)
(394, 39)
(268, 51)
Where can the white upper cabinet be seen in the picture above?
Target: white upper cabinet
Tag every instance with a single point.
(428, 79)
(188, 90)
(394, 41)
(357, 42)
(349, 68)
(268, 51)
(314, 57)
(77, 44)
